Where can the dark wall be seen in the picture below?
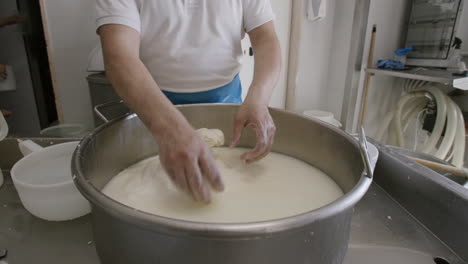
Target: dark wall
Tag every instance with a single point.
(23, 47)
(36, 49)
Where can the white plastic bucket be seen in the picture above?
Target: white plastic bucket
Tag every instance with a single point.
(45, 186)
(323, 116)
(64, 131)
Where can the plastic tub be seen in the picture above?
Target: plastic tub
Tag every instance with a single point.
(45, 185)
(65, 131)
(323, 116)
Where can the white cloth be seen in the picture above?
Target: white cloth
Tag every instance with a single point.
(188, 45)
(316, 9)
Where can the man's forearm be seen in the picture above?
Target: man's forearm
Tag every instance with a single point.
(133, 82)
(267, 68)
(135, 85)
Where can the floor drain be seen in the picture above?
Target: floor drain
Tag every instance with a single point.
(439, 260)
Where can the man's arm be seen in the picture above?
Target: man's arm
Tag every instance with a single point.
(183, 154)
(267, 55)
(254, 111)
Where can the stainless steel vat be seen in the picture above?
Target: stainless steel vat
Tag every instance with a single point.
(125, 235)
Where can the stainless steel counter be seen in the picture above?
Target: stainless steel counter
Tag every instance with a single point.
(382, 232)
(31, 240)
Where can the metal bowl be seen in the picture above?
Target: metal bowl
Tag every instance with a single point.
(126, 235)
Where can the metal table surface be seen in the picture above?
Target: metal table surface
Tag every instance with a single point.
(382, 232)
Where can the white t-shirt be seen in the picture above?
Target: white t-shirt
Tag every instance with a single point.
(188, 45)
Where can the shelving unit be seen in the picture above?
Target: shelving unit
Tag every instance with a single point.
(423, 74)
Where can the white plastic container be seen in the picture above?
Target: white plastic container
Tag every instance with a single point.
(323, 116)
(65, 131)
(44, 183)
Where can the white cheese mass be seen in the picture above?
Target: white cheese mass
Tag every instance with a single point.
(278, 186)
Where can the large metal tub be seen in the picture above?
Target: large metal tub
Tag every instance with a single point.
(125, 235)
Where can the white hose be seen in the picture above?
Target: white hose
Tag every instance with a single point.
(412, 105)
(413, 112)
(386, 124)
(411, 85)
(450, 130)
(449, 116)
(459, 143)
(415, 105)
(415, 115)
(419, 84)
(416, 136)
(397, 117)
(450, 155)
(440, 119)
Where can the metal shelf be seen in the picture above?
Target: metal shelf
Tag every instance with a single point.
(423, 74)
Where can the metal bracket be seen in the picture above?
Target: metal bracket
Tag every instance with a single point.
(365, 153)
(100, 106)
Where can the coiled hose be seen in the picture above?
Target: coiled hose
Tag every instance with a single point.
(450, 147)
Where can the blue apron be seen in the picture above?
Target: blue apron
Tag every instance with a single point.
(229, 93)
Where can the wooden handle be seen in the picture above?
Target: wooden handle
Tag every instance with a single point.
(442, 167)
(365, 91)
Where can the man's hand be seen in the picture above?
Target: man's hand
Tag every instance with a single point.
(3, 72)
(189, 163)
(183, 154)
(254, 112)
(257, 117)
